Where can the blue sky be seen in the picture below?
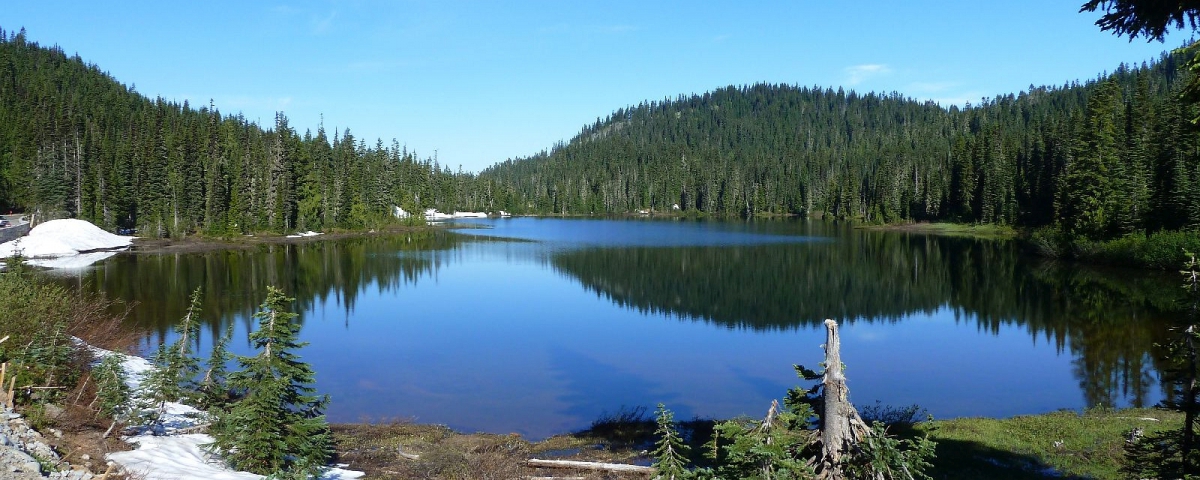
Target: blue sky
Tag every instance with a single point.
(483, 81)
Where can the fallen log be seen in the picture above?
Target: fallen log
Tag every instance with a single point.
(607, 467)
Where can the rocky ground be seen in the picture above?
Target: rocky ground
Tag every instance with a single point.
(25, 454)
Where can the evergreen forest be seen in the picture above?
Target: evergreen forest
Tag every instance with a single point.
(1110, 156)
(1096, 160)
(74, 142)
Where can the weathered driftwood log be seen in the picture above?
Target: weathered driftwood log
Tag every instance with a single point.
(608, 467)
(841, 427)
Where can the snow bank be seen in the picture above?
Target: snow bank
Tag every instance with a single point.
(309, 233)
(64, 238)
(174, 456)
(180, 457)
(433, 214)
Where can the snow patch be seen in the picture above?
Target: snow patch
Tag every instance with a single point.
(64, 238)
(309, 233)
(179, 456)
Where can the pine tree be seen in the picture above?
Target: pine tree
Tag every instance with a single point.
(173, 378)
(112, 393)
(277, 426)
(214, 390)
(670, 453)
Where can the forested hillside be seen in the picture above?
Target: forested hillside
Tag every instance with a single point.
(1105, 157)
(1099, 159)
(76, 143)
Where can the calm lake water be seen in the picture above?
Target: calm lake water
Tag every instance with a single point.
(539, 326)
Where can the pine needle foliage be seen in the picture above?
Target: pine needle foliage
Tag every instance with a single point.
(112, 393)
(277, 428)
(670, 452)
(214, 388)
(174, 377)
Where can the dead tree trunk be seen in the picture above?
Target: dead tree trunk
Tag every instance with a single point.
(841, 427)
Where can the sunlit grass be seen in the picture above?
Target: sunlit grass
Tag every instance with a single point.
(1053, 445)
(987, 231)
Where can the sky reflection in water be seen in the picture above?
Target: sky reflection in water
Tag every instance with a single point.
(499, 336)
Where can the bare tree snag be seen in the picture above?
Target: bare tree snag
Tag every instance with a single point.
(841, 427)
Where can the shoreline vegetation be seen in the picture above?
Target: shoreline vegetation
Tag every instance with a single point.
(1158, 251)
(1061, 444)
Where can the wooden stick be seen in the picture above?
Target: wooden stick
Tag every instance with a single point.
(3, 371)
(110, 429)
(409, 456)
(608, 467)
(82, 389)
(12, 387)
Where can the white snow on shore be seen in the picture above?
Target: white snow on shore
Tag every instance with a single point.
(64, 238)
(433, 214)
(309, 233)
(175, 456)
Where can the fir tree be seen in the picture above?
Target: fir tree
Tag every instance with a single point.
(277, 427)
(112, 393)
(670, 453)
(214, 391)
(173, 378)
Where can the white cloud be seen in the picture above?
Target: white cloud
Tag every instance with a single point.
(322, 24)
(859, 73)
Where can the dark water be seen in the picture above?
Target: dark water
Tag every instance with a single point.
(539, 326)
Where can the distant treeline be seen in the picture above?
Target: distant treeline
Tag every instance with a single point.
(1110, 156)
(1097, 160)
(74, 142)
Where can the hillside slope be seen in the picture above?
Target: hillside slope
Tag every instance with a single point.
(1107, 156)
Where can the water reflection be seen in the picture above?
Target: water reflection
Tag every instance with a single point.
(234, 282)
(1109, 320)
(492, 331)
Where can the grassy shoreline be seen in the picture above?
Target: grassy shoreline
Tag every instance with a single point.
(982, 231)
(1061, 444)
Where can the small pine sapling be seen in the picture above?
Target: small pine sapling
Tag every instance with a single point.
(173, 378)
(670, 453)
(214, 390)
(112, 391)
(277, 427)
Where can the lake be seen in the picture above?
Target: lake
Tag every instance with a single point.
(540, 326)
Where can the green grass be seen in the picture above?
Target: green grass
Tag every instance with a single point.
(985, 231)
(1054, 445)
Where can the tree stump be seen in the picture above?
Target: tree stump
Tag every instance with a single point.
(841, 426)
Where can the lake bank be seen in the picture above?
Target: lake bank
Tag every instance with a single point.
(204, 243)
(1088, 444)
